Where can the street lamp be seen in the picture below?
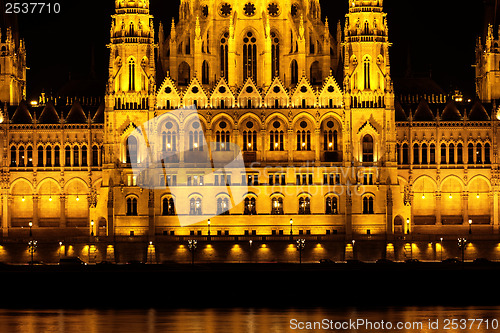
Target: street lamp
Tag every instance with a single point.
(291, 227)
(192, 244)
(441, 239)
(301, 244)
(470, 227)
(60, 246)
(92, 228)
(209, 228)
(408, 226)
(462, 242)
(32, 249)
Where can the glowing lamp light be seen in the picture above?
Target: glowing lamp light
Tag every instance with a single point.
(423, 196)
(196, 145)
(23, 199)
(477, 196)
(168, 145)
(451, 196)
(50, 198)
(330, 144)
(34, 103)
(276, 145)
(77, 198)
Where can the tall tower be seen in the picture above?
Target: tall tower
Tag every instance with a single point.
(131, 84)
(130, 96)
(12, 61)
(369, 98)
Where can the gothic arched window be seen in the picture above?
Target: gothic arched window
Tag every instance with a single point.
(275, 54)
(132, 207)
(368, 205)
(131, 74)
(277, 206)
(168, 207)
(224, 55)
(367, 64)
(131, 146)
(294, 69)
(367, 148)
(332, 206)
(250, 57)
(205, 73)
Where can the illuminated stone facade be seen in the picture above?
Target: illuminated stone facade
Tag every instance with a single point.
(325, 142)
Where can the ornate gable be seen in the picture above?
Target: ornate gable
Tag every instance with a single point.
(195, 95)
(277, 95)
(168, 96)
(330, 95)
(304, 95)
(222, 96)
(249, 96)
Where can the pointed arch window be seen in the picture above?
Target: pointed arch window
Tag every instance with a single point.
(443, 153)
(451, 154)
(276, 140)
(13, 156)
(57, 156)
(222, 140)
(131, 30)
(131, 75)
(131, 206)
(331, 140)
(367, 28)
(460, 153)
(48, 158)
(294, 69)
(195, 206)
(205, 73)
(21, 156)
(168, 207)
(249, 141)
(424, 154)
(131, 148)
(223, 206)
(416, 152)
(250, 207)
(224, 55)
(29, 157)
(84, 156)
(487, 153)
(432, 154)
(250, 57)
(368, 149)
(479, 153)
(405, 154)
(40, 156)
(275, 54)
(304, 206)
(67, 156)
(368, 205)
(277, 206)
(76, 156)
(470, 151)
(95, 156)
(304, 140)
(367, 68)
(331, 206)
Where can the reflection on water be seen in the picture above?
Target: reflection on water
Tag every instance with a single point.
(240, 320)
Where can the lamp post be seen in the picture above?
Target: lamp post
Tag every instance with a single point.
(301, 244)
(192, 244)
(209, 222)
(92, 228)
(60, 246)
(31, 225)
(462, 242)
(291, 227)
(470, 227)
(32, 249)
(441, 239)
(408, 226)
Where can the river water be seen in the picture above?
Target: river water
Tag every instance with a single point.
(405, 319)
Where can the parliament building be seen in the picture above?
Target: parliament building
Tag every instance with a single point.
(329, 146)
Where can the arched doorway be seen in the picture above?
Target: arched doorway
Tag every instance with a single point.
(398, 225)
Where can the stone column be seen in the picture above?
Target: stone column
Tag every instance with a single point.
(182, 142)
(495, 208)
(36, 199)
(465, 208)
(62, 221)
(5, 213)
(438, 208)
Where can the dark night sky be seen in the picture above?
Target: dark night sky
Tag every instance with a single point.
(440, 35)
